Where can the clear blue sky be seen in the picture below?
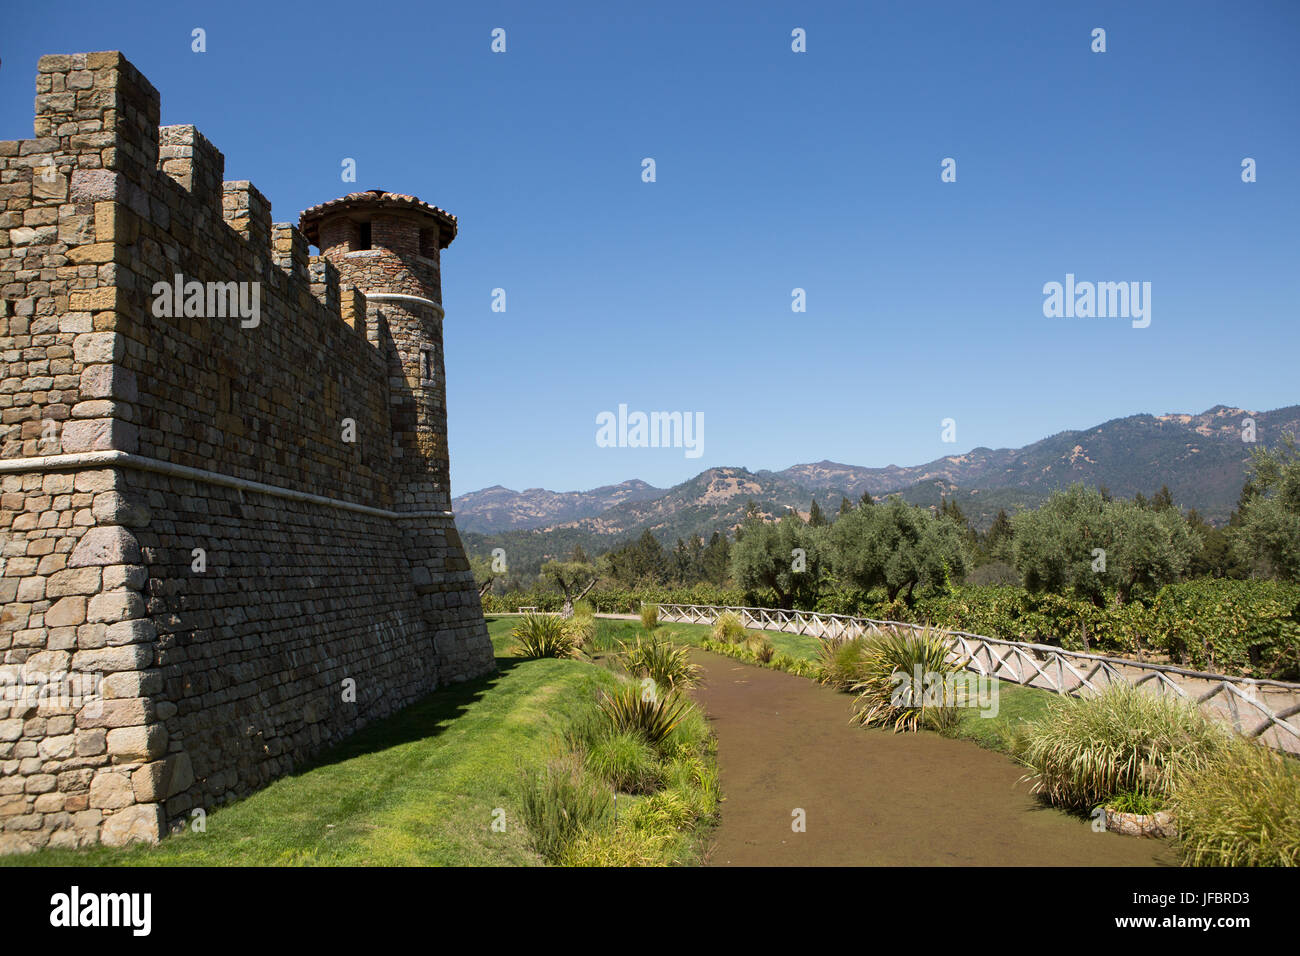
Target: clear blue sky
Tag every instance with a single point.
(775, 170)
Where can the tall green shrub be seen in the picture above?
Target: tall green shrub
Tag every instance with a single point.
(562, 801)
(888, 691)
(1125, 739)
(1242, 809)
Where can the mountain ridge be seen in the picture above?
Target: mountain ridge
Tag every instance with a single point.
(1201, 457)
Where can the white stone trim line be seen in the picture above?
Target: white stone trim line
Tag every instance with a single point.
(122, 459)
(401, 297)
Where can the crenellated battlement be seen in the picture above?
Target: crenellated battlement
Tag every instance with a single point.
(96, 111)
(223, 468)
(145, 204)
(195, 164)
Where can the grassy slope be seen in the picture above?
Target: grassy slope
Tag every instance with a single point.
(417, 788)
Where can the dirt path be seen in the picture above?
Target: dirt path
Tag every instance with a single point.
(874, 798)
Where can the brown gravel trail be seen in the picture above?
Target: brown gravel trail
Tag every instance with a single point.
(873, 798)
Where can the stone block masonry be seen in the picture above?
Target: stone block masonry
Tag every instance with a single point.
(225, 537)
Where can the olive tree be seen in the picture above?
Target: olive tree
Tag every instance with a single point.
(1059, 545)
(785, 559)
(574, 578)
(1149, 547)
(1081, 542)
(1269, 531)
(898, 547)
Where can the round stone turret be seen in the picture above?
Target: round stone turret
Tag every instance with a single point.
(387, 246)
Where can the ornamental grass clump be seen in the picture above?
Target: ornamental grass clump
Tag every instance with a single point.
(1136, 801)
(582, 626)
(1087, 750)
(649, 616)
(689, 737)
(728, 629)
(902, 680)
(623, 847)
(561, 802)
(625, 760)
(696, 778)
(839, 663)
(651, 714)
(664, 811)
(544, 635)
(1241, 809)
(664, 662)
(758, 645)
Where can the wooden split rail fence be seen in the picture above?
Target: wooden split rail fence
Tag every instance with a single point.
(1266, 709)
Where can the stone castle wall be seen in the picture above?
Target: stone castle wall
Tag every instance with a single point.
(181, 517)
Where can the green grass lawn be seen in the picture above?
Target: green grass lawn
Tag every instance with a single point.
(1016, 704)
(417, 788)
(796, 645)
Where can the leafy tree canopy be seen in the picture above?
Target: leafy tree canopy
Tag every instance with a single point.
(1268, 532)
(785, 559)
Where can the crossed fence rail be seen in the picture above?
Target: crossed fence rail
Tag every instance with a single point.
(1257, 708)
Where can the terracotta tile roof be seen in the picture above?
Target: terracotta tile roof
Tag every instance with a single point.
(309, 220)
